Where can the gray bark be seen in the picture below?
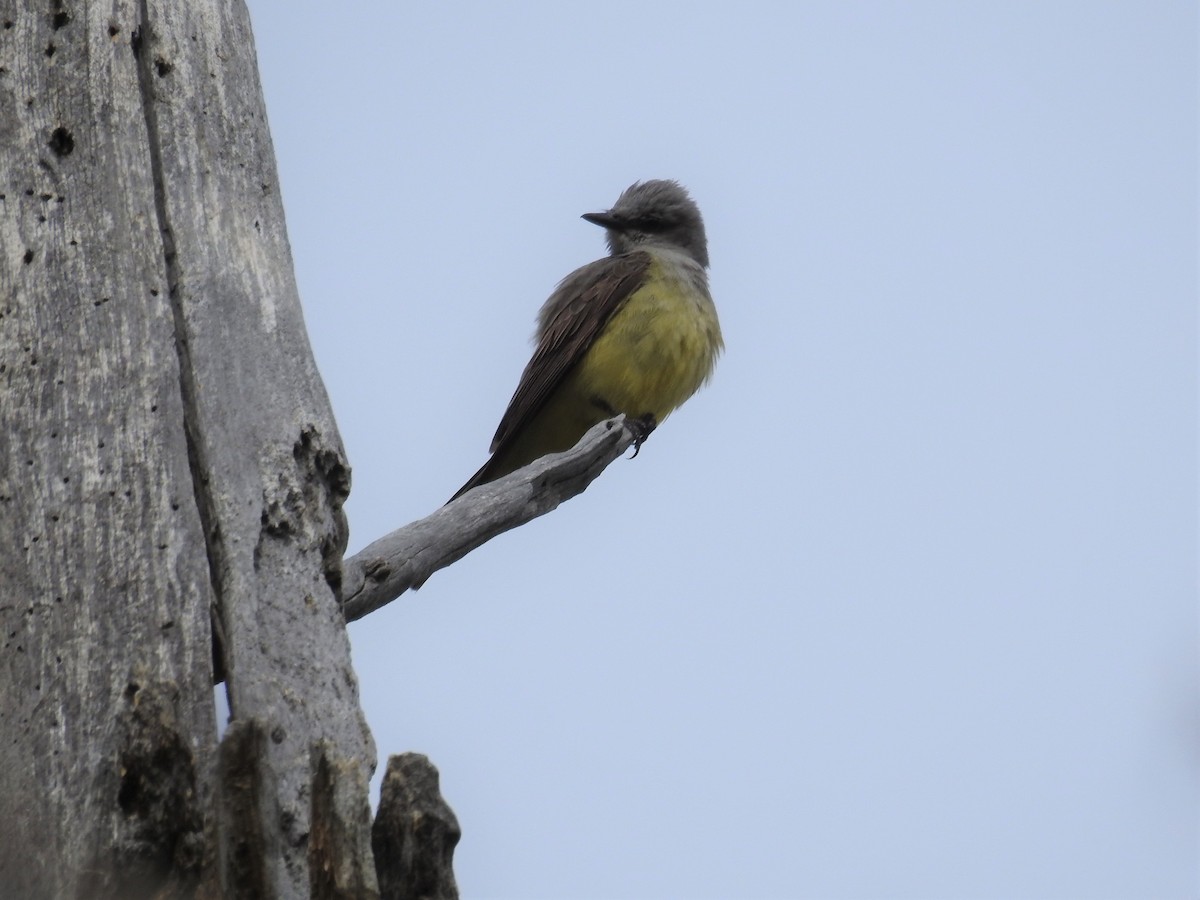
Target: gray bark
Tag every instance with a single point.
(415, 833)
(405, 559)
(168, 463)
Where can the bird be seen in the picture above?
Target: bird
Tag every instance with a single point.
(635, 332)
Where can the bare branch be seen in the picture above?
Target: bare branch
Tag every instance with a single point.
(407, 557)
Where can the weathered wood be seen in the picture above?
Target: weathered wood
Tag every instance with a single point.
(406, 558)
(265, 444)
(105, 705)
(167, 459)
(415, 833)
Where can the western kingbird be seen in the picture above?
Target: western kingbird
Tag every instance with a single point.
(633, 333)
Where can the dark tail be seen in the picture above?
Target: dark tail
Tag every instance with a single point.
(483, 476)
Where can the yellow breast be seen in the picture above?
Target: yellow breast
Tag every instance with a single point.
(660, 346)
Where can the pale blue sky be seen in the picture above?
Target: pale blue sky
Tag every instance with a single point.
(904, 604)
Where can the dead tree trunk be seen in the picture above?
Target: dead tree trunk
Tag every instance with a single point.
(169, 471)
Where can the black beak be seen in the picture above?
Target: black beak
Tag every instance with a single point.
(604, 220)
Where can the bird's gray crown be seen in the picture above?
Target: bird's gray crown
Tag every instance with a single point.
(654, 213)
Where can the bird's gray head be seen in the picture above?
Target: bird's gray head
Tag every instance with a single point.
(654, 214)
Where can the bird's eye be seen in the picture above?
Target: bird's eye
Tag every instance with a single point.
(652, 222)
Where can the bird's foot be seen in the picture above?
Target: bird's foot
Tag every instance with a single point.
(641, 428)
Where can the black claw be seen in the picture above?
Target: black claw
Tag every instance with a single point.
(641, 428)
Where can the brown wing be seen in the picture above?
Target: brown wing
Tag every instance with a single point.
(569, 322)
